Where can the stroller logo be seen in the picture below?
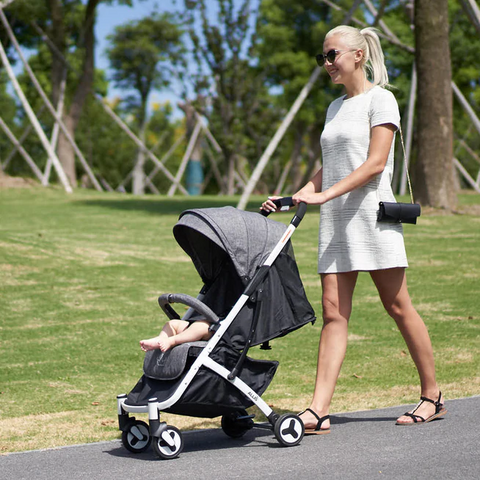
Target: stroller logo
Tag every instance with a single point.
(253, 396)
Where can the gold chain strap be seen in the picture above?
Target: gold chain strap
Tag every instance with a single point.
(406, 166)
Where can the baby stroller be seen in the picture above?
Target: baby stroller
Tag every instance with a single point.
(252, 293)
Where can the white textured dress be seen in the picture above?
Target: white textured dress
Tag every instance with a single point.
(350, 238)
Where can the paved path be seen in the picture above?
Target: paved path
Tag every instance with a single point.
(362, 445)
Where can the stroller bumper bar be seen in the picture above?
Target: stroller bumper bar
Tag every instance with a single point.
(167, 298)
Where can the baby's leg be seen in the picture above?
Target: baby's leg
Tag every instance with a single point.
(170, 329)
(196, 331)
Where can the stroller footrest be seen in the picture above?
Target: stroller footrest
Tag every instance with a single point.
(171, 364)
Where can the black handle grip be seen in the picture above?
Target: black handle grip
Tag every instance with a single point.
(288, 202)
(279, 203)
(167, 298)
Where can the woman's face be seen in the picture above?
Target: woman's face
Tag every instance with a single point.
(343, 67)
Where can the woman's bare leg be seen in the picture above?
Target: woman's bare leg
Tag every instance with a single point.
(337, 306)
(392, 287)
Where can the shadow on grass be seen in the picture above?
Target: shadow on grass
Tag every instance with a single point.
(165, 206)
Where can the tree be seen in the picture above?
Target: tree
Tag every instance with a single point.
(69, 24)
(229, 87)
(465, 57)
(434, 110)
(140, 56)
(290, 34)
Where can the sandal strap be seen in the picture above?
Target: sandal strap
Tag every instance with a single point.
(320, 420)
(414, 417)
(438, 404)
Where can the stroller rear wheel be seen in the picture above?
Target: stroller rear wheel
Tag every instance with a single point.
(170, 444)
(236, 424)
(289, 430)
(136, 438)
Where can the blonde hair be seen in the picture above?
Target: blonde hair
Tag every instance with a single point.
(373, 62)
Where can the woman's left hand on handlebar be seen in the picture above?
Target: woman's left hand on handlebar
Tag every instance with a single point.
(269, 206)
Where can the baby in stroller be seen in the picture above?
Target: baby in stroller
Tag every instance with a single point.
(176, 332)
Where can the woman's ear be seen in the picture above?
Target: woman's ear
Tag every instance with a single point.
(358, 55)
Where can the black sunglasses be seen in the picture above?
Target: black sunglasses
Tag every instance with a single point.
(330, 56)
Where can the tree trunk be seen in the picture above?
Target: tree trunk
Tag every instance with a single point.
(231, 174)
(296, 158)
(314, 154)
(197, 152)
(65, 151)
(57, 35)
(138, 180)
(138, 183)
(434, 107)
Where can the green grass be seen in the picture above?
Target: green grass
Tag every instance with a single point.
(79, 279)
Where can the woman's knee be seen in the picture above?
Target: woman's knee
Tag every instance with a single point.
(398, 310)
(332, 312)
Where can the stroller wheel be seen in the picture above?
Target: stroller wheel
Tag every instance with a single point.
(289, 430)
(169, 444)
(236, 424)
(136, 438)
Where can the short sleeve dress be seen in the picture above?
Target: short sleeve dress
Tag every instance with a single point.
(350, 238)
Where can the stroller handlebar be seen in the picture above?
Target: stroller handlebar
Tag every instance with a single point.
(285, 203)
(167, 298)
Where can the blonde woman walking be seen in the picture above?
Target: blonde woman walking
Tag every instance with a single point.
(357, 153)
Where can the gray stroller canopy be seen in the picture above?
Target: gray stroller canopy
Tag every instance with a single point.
(246, 237)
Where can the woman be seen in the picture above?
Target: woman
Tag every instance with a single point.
(357, 150)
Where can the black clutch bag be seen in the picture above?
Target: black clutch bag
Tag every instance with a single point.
(398, 212)
(393, 212)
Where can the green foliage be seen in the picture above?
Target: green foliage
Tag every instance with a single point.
(142, 53)
(465, 58)
(9, 112)
(229, 83)
(289, 35)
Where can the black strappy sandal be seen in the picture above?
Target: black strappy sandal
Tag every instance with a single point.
(318, 430)
(440, 410)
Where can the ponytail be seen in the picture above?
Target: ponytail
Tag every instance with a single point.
(374, 59)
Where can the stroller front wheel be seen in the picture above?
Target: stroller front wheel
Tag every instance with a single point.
(289, 430)
(170, 444)
(136, 438)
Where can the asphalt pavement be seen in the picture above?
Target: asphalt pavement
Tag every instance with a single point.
(362, 445)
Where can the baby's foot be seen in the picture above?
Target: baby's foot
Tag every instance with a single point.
(165, 343)
(150, 344)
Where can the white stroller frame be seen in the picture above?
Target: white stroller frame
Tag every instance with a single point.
(167, 440)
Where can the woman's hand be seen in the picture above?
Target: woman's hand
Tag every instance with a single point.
(269, 206)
